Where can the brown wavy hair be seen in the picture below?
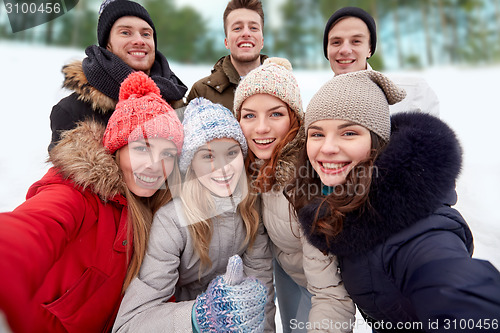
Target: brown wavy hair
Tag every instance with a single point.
(345, 198)
(264, 176)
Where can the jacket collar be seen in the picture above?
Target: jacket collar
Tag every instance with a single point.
(224, 74)
(413, 177)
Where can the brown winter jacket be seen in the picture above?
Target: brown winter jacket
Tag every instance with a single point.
(220, 85)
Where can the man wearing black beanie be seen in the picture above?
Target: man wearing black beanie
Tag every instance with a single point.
(350, 39)
(127, 42)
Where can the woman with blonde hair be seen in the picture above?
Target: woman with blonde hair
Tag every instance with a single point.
(194, 236)
(71, 249)
(311, 295)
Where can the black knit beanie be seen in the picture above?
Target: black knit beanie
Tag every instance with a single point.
(112, 10)
(355, 12)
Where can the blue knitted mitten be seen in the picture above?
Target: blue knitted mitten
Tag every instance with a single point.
(232, 303)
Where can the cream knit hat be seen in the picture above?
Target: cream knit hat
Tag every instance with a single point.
(273, 77)
(362, 97)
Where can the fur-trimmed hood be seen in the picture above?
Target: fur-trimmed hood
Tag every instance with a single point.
(285, 167)
(75, 80)
(81, 157)
(413, 176)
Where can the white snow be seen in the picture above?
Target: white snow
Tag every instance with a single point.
(30, 84)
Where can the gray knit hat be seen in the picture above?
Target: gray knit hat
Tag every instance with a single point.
(362, 97)
(203, 122)
(273, 77)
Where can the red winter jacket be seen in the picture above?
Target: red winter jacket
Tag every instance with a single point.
(64, 252)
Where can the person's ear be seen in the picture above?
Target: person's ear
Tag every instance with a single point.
(225, 43)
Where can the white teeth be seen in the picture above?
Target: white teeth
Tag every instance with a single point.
(346, 61)
(222, 179)
(137, 53)
(333, 165)
(147, 179)
(246, 45)
(264, 141)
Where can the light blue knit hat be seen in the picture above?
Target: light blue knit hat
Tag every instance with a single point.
(203, 122)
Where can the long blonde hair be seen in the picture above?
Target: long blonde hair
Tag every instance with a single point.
(199, 208)
(140, 218)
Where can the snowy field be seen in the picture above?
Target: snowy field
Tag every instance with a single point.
(30, 84)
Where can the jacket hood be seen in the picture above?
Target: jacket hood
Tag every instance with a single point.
(81, 158)
(413, 177)
(75, 80)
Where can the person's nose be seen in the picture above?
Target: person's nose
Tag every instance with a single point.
(155, 162)
(345, 49)
(138, 39)
(262, 126)
(330, 146)
(246, 31)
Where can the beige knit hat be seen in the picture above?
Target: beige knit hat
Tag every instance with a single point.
(273, 77)
(362, 97)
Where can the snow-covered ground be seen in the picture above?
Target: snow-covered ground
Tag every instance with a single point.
(30, 84)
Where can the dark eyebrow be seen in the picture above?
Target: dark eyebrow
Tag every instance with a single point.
(126, 26)
(347, 125)
(314, 127)
(277, 107)
(353, 36)
(271, 109)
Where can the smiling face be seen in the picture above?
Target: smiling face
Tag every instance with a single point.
(335, 147)
(218, 166)
(146, 166)
(131, 39)
(265, 121)
(348, 46)
(244, 36)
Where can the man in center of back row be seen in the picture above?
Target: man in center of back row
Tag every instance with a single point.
(243, 27)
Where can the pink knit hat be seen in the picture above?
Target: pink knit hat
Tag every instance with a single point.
(141, 113)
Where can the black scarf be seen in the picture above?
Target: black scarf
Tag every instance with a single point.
(105, 71)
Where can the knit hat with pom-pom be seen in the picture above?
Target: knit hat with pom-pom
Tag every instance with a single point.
(141, 113)
(273, 77)
(205, 121)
